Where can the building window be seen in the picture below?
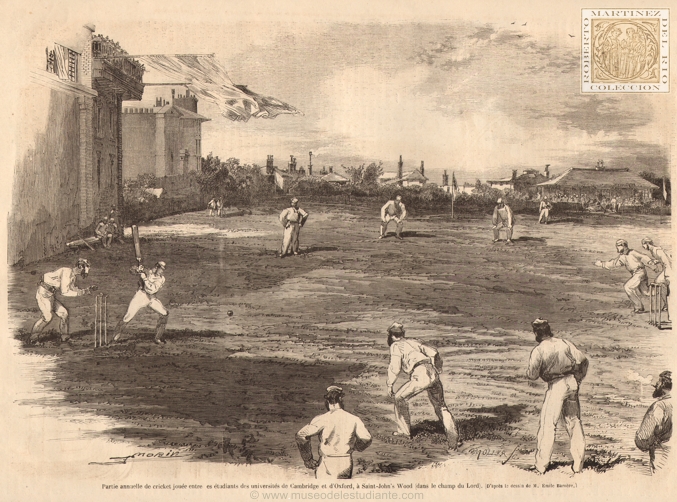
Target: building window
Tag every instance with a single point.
(98, 169)
(112, 169)
(99, 114)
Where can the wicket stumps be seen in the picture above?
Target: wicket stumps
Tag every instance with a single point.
(656, 304)
(100, 320)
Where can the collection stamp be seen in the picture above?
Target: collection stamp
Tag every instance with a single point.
(625, 50)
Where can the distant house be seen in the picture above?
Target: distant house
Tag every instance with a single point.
(503, 184)
(467, 188)
(281, 177)
(387, 177)
(413, 178)
(592, 184)
(524, 183)
(334, 178)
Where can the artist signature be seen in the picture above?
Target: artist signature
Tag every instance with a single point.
(487, 452)
(139, 455)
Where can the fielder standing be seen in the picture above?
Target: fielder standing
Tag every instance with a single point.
(340, 434)
(61, 281)
(544, 211)
(502, 217)
(292, 219)
(150, 283)
(563, 367)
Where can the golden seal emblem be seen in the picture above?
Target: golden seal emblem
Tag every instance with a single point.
(625, 50)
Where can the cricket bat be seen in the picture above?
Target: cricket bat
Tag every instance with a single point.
(137, 243)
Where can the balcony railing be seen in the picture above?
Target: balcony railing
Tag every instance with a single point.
(110, 51)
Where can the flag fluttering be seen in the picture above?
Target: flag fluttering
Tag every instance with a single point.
(209, 81)
(65, 62)
(269, 107)
(665, 191)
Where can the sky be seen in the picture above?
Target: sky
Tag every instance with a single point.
(479, 91)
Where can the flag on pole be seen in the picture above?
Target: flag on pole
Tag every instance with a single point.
(209, 81)
(665, 192)
(61, 61)
(454, 185)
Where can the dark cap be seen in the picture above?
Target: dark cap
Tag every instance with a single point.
(537, 323)
(334, 394)
(666, 379)
(396, 328)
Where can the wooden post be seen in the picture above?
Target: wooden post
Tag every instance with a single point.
(453, 192)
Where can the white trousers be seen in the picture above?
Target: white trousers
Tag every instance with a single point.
(335, 468)
(141, 300)
(424, 377)
(49, 305)
(637, 287)
(290, 239)
(560, 404)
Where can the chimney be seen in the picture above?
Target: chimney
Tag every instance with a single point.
(310, 170)
(269, 165)
(514, 174)
(186, 102)
(331, 169)
(547, 171)
(422, 169)
(158, 101)
(399, 169)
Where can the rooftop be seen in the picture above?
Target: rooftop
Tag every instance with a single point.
(601, 178)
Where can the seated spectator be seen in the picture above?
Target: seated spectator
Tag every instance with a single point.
(103, 234)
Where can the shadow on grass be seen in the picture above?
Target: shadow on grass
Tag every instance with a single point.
(565, 220)
(420, 235)
(214, 403)
(525, 238)
(484, 426)
(317, 249)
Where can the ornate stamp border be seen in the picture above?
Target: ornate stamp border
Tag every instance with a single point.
(625, 50)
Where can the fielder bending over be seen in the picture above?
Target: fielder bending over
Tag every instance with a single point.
(150, 282)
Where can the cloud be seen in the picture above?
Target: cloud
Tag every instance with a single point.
(633, 376)
(463, 96)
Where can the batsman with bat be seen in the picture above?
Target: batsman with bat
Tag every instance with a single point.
(150, 282)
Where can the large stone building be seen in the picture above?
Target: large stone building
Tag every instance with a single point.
(163, 140)
(68, 169)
